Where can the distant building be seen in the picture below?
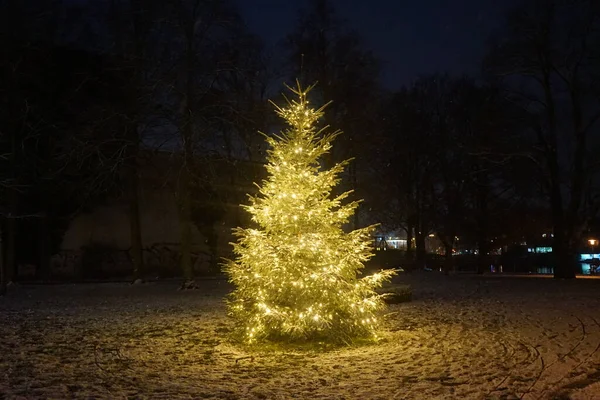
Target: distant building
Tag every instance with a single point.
(399, 241)
(383, 242)
(106, 227)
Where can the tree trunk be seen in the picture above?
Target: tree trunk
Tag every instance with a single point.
(409, 240)
(3, 281)
(135, 227)
(566, 263)
(13, 204)
(564, 254)
(185, 216)
(448, 264)
(572, 222)
(482, 193)
(483, 240)
(482, 258)
(565, 260)
(11, 234)
(43, 271)
(420, 246)
(185, 204)
(212, 241)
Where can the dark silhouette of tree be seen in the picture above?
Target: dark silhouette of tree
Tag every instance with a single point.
(547, 58)
(201, 37)
(488, 129)
(48, 96)
(448, 157)
(245, 86)
(322, 49)
(407, 167)
(66, 149)
(134, 26)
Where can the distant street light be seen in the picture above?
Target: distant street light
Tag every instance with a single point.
(593, 243)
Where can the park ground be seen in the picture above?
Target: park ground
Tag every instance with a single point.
(462, 337)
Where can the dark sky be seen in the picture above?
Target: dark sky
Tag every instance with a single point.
(411, 37)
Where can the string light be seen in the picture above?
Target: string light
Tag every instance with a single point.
(296, 274)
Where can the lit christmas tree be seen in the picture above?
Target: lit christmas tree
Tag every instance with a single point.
(296, 276)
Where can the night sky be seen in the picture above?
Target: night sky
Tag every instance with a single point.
(411, 38)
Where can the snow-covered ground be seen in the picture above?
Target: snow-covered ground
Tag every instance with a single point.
(462, 337)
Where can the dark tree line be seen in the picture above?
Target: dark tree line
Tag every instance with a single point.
(547, 60)
(87, 90)
(448, 150)
(61, 116)
(462, 155)
(323, 49)
(86, 86)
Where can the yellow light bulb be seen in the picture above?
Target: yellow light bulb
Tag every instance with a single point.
(299, 254)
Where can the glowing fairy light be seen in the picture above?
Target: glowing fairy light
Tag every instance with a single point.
(295, 274)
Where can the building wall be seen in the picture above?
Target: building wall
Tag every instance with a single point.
(107, 226)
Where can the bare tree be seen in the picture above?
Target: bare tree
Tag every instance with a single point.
(136, 29)
(408, 166)
(488, 130)
(200, 31)
(26, 30)
(54, 100)
(447, 153)
(548, 60)
(322, 49)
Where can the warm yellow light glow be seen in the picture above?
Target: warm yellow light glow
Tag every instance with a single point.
(295, 274)
(593, 242)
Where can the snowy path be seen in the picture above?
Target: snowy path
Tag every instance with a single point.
(460, 338)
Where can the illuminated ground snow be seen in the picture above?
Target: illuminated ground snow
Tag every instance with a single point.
(461, 338)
